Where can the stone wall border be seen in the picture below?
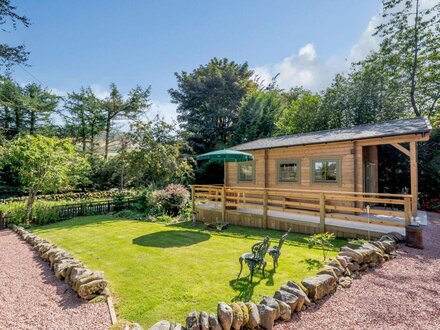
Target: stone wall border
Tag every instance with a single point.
(88, 285)
(337, 273)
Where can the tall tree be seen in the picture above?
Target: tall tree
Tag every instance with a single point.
(86, 117)
(208, 100)
(12, 109)
(44, 164)
(305, 114)
(118, 108)
(257, 115)
(39, 104)
(11, 55)
(411, 43)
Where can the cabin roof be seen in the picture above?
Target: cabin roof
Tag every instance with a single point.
(359, 132)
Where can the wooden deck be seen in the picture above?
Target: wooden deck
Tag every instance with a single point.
(347, 214)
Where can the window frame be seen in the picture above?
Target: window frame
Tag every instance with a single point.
(335, 159)
(289, 160)
(239, 164)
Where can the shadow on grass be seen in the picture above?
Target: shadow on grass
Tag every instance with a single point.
(171, 238)
(312, 264)
(245, 289)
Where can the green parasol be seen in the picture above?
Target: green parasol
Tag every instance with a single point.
(226, 155)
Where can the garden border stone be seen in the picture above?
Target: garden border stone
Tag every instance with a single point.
(87, 284)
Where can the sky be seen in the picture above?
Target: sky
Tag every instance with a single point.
(96, 42)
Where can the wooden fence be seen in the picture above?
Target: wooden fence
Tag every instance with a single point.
(68, 211)
(350, 206)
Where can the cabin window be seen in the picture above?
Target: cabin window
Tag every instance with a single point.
(246, 172)
(325, 170)
(288, 170)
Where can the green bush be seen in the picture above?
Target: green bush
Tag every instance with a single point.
(147, 202)
(164, 218)
(131, 214)
(173, 199)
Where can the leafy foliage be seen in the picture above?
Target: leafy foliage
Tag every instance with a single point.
(45, 165)
(208, 101)
(323, 241)
(173, 198)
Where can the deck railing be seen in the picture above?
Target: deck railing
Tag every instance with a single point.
(341, 205)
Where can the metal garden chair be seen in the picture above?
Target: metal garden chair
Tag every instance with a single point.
(255, 259)
(275, 251)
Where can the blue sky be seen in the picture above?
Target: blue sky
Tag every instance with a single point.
(94, 43)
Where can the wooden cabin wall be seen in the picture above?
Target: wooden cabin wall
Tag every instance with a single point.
(343, 150)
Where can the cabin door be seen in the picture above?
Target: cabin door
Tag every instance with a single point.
(369, 177)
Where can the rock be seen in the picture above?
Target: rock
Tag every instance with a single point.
(389, 246)
(299, 292)
(356, 275)
(345, 281)
(339, 269)
(245, 311)
(368, 255)
(224, 313)
(285, 310)
(61, 269)
(364, 267)
(372, 265)
(204, 321)
(272, 303)
(91, 289)
(343, 260)
(267, 316)
(319, 286)
(177, 326)
(214, 324)
(353, 254)
(254, 316)
(237, 316)
(287, 297)
(328, 270)
(353, 266)
(161, 325)
(86, 277)
(397, 236)
(192, 321)
(75, 274)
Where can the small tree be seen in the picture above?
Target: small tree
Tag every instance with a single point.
(322, 241)
(44, 164)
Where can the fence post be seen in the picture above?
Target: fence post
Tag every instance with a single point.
(265, 208)
(407, 209)
(2, 221)
(322, 212)
(223, 204)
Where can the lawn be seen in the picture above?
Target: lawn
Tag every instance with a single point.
(164, 272)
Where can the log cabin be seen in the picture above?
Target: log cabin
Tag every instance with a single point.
(324, 175)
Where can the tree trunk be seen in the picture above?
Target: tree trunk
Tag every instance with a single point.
(32, 123)
(107, 136)
(415, 63)
(121, 185)
(30, 205)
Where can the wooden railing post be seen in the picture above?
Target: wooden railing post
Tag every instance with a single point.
(407, 210)
(265, 208)
(322, 212)
(223, 204)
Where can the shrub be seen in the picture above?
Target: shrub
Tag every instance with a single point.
(147, 202)
(173, 199)
(322, 241)
(131, 214)
(164, 218)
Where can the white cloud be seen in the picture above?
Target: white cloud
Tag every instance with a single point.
(100, 91)
(304, 68)
(165, 110)
(367, 42)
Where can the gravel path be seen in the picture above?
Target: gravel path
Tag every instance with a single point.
(31, 297)
(402, 294)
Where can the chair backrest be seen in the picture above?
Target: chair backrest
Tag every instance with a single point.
(259, 249)
(283, 239)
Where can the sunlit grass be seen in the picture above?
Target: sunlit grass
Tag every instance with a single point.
(164, 272)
